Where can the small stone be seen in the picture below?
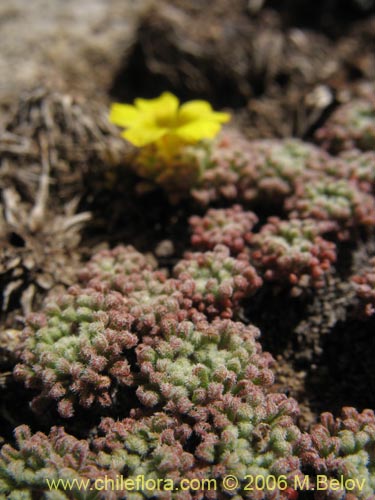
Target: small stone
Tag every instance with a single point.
(164, 248)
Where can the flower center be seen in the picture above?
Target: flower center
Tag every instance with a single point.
(164, 119)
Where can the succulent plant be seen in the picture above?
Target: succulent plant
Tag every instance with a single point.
(353, 165)
(73, 351)
(197, 388)
(79, 350)
(196, 363)
(344, 448)
(264, 170)
(227, 170)
(338, 201)
(154, 447)
(226, 226)
(282, 162)
(157, 452)
(38, 459)
(206, 382)
(364, 285)
(215, 281)
(148, 294)
(175, 175)
(161, 447)
(106, 265)
(211, 380)
(360, 166)
(292, 252)
(352, 125)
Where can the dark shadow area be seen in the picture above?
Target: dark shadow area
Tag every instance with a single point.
(201, 52)
(276, 315)
(15, 410)
(157, 64)
(331, 17)
(345, 374)
(122, 216)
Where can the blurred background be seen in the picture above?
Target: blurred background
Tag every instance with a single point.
(282, 64)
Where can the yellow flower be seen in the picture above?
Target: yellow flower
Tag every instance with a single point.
(162, 119)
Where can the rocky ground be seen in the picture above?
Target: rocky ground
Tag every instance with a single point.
(71, 46)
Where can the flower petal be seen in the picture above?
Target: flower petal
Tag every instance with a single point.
(197, 130)
(123, 115)
(220, 117)
(144, 134)
(193, 110)
(165, 104)
(200, 110)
